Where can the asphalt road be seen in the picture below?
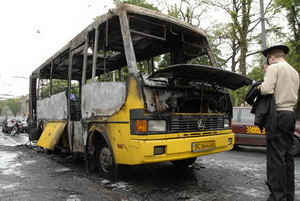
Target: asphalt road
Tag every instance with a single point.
(229, 176)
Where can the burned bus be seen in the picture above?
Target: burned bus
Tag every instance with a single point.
(134, 87)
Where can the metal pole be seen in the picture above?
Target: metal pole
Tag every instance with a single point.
(262, 22)
(85, 57)
(127, 42)
(95, 53)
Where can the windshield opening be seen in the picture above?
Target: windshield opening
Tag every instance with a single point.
(158, 44)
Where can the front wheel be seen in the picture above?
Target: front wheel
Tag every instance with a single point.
(106, 162)
(13, 132)
(184, 163)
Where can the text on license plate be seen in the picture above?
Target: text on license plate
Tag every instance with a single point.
(203, 146)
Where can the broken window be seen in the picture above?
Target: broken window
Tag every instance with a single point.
(158, 44)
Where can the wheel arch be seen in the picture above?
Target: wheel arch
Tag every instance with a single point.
(95, 136)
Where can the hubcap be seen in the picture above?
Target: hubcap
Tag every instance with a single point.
(105, 159)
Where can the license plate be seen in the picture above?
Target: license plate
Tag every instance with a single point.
(203, 146)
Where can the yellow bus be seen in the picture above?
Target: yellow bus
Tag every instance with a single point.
(134, 87)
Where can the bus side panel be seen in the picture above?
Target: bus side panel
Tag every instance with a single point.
(119, 133)
(102, 98)
(45, 107)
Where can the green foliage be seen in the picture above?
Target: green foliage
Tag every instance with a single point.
(14, 104)
(292, 9)
(57, 86)
(2, 104)
(256, 74)
(142, 3)
(174, 11)
(218, 37)
(238, 96)
(189, 11)
(165, 61)
(204, 60)
(293, 56)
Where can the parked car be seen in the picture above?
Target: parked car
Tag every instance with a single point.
(25, 127)
(1, 120)
(246, 133)
(9, 123)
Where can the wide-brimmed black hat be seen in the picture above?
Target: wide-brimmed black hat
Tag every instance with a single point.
(267, 51)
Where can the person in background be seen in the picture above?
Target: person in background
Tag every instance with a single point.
(281, 80)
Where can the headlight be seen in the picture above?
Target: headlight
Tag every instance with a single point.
(226, 123)
(157, 125)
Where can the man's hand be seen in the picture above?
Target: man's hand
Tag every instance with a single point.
(258, 87)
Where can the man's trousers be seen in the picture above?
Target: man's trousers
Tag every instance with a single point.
(280, 159)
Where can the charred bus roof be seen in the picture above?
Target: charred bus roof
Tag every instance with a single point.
(148, 29)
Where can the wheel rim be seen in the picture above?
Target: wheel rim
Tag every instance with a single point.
(105, 159)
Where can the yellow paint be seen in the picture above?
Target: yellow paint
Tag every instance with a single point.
(120, 133)
(176, 149)
(139, 149)
(255, 130)
(51, 135)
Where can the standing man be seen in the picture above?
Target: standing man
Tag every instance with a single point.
(281, 80)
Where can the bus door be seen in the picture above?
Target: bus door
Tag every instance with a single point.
(75, 128)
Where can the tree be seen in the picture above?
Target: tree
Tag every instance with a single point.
(14, 104)
(142, 3)
(256, 74)
(292, 9)
(221, 37)
(57, 86)
(239, 32)
(189, 11)
(1, 106)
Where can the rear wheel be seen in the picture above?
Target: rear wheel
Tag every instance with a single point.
(184, 163)
(106, 162)
(296, 146)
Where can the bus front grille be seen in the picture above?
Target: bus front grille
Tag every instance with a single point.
(183, 125)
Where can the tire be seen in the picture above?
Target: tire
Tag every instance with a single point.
(106, 162)
(13, 132)
(236, 147)
(184, 163)
(296, 146)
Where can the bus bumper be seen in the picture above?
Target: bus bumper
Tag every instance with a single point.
(151, 151)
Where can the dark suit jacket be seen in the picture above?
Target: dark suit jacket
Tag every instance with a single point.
(264, 108)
